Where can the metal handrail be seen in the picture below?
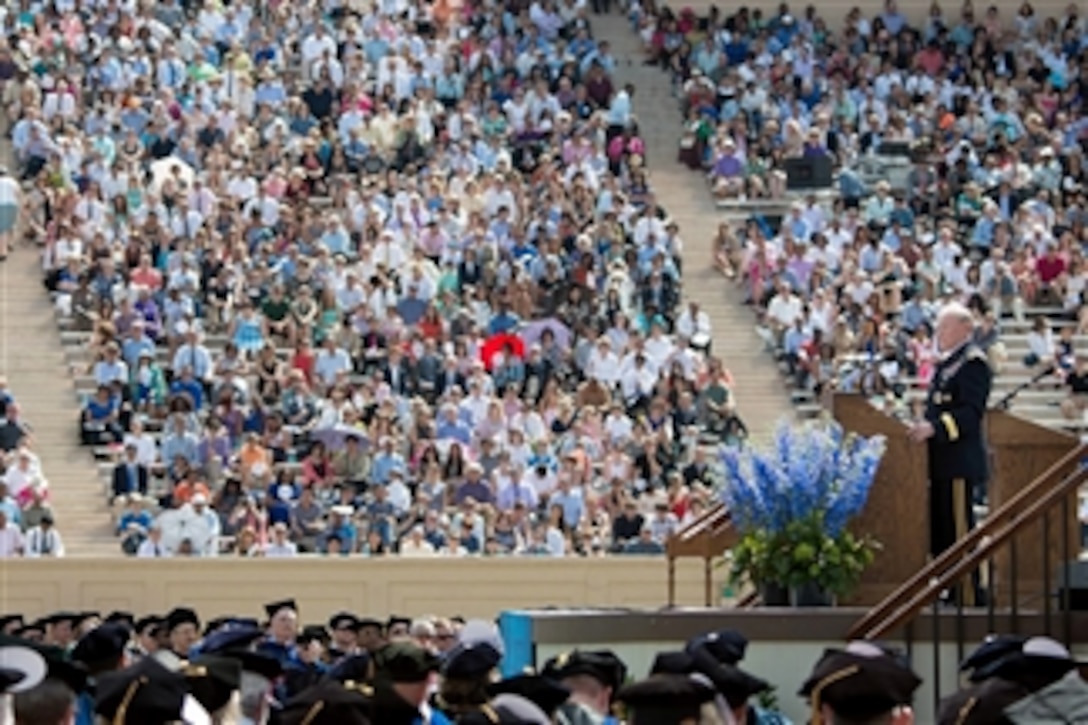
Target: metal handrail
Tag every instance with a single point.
(1025, 508)
(710, 517)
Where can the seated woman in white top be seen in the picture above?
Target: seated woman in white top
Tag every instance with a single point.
(1041, 344)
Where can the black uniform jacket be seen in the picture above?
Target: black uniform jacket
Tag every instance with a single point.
(956, 406)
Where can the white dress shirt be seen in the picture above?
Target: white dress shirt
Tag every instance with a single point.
(11, 541)
(272, 550)
(689, 325)
(603, 367)
(411, 548)
(195, 357)
(17, 479)
(44, 542)
(147, 450)
(638, 382)
(149, 549)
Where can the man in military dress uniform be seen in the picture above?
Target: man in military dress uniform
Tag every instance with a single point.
(952, 428)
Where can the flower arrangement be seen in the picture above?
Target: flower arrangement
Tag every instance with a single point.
(792, 501)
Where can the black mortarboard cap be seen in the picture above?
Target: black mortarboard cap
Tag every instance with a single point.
(672, 663)
(230, 639)
(544, 692)
(665, 699)
(82, 617)
(727, 646)
(1039, 662)
(9, 619)
(120, 617)
(313, 633)
(733, 683)
(861, 682)
(272, 607)
(213, 679)
(404, 662)
(30, 628)
(353, 668)
(602, 665)
(179, 616)
(328, 703)
(145, 694)
(395, 620)
(58, 617)
(736, 685)
(983, 703)
(344, 620)
(154, 621)
(471, 660)
(992, 649)
(102, 647)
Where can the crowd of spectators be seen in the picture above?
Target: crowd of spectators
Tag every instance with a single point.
(26, 515)
(364, 282)
(987, 109)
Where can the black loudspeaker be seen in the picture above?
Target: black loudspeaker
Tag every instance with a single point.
(895, 148)
(808, 172)
(1077, 587)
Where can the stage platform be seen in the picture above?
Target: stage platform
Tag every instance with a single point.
(785, 642)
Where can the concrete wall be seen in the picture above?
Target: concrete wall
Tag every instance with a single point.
(379, 587)
(787, 665)
(833, 11)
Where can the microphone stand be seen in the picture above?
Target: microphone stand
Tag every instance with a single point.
(1006, 401)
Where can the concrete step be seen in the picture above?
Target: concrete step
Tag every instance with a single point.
(39, 376)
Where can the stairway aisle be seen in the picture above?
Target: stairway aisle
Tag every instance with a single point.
(762, 394)
(38, 376)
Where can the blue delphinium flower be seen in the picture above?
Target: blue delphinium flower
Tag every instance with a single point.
(812, 469)
(858, 466)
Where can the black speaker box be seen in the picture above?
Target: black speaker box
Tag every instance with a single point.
(1077, 586)
(808, 173)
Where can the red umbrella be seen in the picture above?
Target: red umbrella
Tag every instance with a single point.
(500, 344)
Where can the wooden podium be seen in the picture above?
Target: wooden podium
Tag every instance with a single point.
(897, 513)
(1019, 452)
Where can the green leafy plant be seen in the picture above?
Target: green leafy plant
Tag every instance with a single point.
(803, 552)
